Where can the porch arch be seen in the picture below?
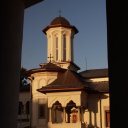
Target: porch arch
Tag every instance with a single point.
(57, 112)
(72, 112)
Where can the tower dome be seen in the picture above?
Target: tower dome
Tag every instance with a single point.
(60, 21)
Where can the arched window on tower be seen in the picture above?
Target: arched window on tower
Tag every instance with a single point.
(56, 50)
(64, 47)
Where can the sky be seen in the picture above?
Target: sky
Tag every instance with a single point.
(90, 43)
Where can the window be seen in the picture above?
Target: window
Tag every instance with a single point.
(56, 48)
(21, 108)
(27, 107)
(74, 113)
(107, 118)
(41, 111)
(64, 47)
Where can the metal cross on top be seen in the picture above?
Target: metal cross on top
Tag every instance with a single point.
(50, 57)
(60, 12)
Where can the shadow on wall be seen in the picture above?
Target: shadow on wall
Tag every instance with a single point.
(93, 110)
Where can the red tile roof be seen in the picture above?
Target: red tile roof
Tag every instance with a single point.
(50, 67)
(66, 81)
(94, 73)
(60, 22)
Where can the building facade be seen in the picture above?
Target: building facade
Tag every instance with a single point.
(60, 96)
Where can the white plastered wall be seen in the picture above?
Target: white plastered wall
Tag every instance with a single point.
(40, 79)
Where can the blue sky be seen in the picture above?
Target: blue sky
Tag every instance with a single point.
(90, 44)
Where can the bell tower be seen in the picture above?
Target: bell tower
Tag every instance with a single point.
(60, 34)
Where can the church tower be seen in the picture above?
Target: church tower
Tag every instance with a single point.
(60, 34)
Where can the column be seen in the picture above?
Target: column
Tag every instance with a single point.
(117, 27)
(50, 115)
(82, 114)
(10, 54)
(64, 115)
(78, 114)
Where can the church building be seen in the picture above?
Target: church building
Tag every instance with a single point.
(59, 96)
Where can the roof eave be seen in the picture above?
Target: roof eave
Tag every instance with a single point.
(96, 92)
(60, 25)
(32, 71)
(59, 90)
